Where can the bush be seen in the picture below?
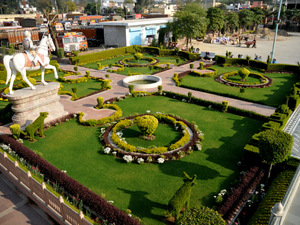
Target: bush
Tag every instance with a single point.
(38, 124)
(138, 56)
(131, 87)
(147, 124)
(201, 64)
(160, 88)
(225, 106)
(60, 53)
(244, 73)
(200, 215)
(31, 80)
(88, 74)
(15, 131)
(100, 101)
(106, 84)
(76, 68)
(191, 65)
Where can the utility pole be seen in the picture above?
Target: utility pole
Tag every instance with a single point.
(276, 30)
(96, 7)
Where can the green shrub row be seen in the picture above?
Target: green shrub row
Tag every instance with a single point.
(98, 56)
(274, 195)
(94, 122)
(199, 74)
(72, 81)
(257, 64)
(121, 68)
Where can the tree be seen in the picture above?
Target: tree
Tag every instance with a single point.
(90, 8)
(216, 19)
(46, 12)
(141, 5)
(223, 7)
(71, 6)
(231, 21)
(187, 24)
(246, 18)
(258, 16)
(275, 146)
(120, 12)
(195, 8)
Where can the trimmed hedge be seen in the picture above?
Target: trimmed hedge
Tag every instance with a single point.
(94, 122)
(96, 203)
(240, 194)
(98, 56)
(274, 194)
(6, 114)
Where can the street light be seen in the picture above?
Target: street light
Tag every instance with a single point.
(276, 30)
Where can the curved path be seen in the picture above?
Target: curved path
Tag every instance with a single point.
(86, 104)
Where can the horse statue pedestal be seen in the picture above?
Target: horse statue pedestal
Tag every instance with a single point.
(28, 103)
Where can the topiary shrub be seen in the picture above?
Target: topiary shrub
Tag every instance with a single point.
(225, 106)
(76, 68)
(15, 131)
(99, 67)
(200, 215)
(191, 65)
(190, 94)
(100, 101)
(138, 56)
(37, 124)
(60, 53)
(182, 196)
(160, 87)
(177, 61)
(147, 124)
(106, 84)
(88, 74)
(201, 65)
(243, 73)
(131, 87)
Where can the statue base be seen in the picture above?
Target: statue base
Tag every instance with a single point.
(28, 103)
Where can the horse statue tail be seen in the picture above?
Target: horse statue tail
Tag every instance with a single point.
(6, 61)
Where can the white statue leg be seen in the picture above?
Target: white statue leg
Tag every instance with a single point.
(12, 79)
(23, 73)
(43, 76)
(52, 68)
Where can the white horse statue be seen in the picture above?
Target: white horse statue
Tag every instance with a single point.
(20, 63)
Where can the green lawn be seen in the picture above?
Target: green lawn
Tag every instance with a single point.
(146, 189)
(142, 70)
(272, 96)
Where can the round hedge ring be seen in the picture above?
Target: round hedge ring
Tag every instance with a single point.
(131, 62)
(189, 138)
(230, 79)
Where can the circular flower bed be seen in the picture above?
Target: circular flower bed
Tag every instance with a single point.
(190, 140)
(262, 82)
(127, 62)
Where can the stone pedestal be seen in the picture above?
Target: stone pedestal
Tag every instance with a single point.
(28, 103)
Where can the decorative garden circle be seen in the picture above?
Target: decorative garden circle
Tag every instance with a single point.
(190, 140)
(126, 62)
(264, 81)
(142, 81)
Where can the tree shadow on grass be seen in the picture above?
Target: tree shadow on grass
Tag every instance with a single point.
(176, 168)
(142, 206)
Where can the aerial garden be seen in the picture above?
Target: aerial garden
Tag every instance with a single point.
(154, 143)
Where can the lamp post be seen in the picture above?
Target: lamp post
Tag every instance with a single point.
(276, 30)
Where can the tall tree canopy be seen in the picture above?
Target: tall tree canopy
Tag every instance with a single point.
(246, 18)
(258, 16)
(216, 19)
(231, 21)
(71, 6)
(141, 5)
(188, 24)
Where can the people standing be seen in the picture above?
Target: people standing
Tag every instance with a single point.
(254, 43)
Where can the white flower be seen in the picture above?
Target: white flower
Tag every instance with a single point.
(199, 146)
(119, 134)
(140, 160)
(183, 100)
(74, 115)
(114, 153)
(111, 201)
(160, 160)
(20, 140)
(64, 171)
(102, 130)
(127, 158)
(148, 111)
(107, 150)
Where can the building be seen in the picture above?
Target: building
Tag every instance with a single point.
(133, 32)
(165, 9)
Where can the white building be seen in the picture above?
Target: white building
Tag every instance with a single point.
(133, 32)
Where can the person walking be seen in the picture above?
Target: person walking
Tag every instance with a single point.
(254, 44)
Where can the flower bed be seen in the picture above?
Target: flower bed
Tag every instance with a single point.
(191, 139)
(225, 79)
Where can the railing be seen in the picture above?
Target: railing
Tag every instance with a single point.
(52, 205)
